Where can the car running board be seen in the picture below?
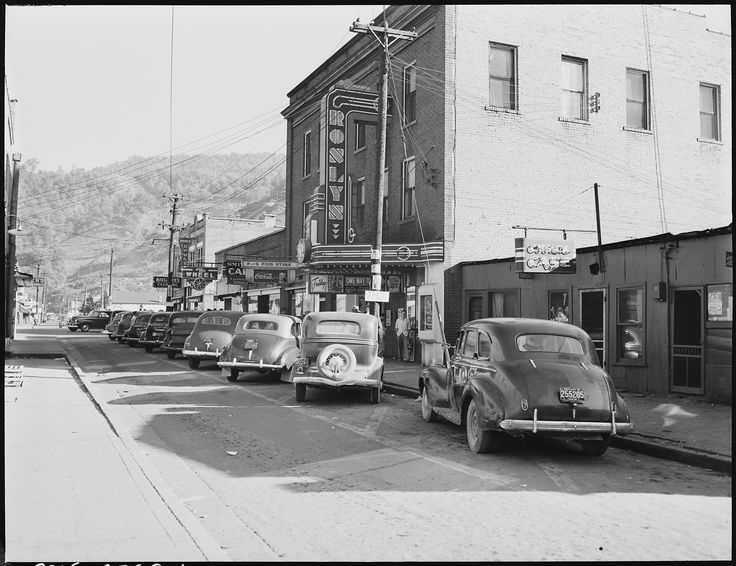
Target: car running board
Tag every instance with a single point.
(449, 415)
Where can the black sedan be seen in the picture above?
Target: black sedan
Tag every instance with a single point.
(525, 377)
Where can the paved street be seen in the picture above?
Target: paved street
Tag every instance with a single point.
(336, 478)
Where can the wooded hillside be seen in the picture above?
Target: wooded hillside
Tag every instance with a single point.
(71, 220)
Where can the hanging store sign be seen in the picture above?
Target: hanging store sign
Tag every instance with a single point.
(207, 273)
(340, 106)
(544, 256)
(243, 272)
(162, 281)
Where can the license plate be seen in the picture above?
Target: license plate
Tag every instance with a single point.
(572, 395)
(301, 362)
(250, 344)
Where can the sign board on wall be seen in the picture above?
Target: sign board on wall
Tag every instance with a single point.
(544, 256)
(376, 296)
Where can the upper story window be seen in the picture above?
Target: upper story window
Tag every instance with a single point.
(307, 154)
(574, 83)
(408, 206)
(410, 94)
(637, 99)
(502, 76)
(359, 203)
(710, 112)
(359, 135)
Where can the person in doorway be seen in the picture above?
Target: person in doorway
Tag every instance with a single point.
(35, 321)
(402, 333)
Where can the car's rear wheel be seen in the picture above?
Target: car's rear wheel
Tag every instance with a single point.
(300, 391)
(233, 376)
(132, 344)
(595, 447)
(84, 327)
(171, 355)
(149, 348)
(194, 363)
(120, 339)
(428, 413)
(481, 441)
(111, 337)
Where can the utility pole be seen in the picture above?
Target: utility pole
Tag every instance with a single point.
(173, 237)
(38, 271)
(395, 35)
(102, 291)
(601, 266)
(109, 288)
(43, 300)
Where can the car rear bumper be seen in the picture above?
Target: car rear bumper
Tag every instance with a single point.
(251, 364)
(535, 426)
(200, 354)
(347, 382)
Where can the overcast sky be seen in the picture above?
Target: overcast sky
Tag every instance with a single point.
(96, 84)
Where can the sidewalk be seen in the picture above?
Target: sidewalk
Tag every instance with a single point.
(74, 490)
(674, 427)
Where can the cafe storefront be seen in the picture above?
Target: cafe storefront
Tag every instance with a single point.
(336, 277)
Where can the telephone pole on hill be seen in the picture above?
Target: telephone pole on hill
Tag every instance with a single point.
(173, 231)
(389, 36)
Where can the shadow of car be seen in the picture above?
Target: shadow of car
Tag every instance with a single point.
(180, 326)
(211, 333)
(524, 377)
(153, 335)
(338, 349)
(263, 342)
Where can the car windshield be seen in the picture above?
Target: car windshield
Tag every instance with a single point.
(191, 319)
(258, 325)
(338, 327)
(549, 343)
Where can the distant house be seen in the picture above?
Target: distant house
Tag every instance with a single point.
(137, 301)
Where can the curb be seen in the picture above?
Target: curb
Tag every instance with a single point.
(721, 464)
(201, 538)
(714, 462)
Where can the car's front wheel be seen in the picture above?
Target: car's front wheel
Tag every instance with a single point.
(481, 441)
(194, 363)
(84, 327)
(171, 355)
(428, 413)
(595, 447)
(300, 391)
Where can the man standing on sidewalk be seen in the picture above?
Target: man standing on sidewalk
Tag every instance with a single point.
(402, 333)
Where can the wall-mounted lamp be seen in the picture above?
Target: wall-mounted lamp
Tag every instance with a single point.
(15, 230)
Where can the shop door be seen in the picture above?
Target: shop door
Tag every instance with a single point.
(593, 320)
(687, 341)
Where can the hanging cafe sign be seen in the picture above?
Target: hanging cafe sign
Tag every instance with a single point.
(240, 272)
(544, 256)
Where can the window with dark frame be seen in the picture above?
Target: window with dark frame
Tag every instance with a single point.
(307, 154)
(710, 119)
(359, 135)
(559, 307)
(502, 76)
(574, 84)
(503, 304)
(630, 324)
(410, 94)
(408, 208)
(637, 99)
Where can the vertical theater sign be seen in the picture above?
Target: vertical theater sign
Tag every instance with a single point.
(341, 107)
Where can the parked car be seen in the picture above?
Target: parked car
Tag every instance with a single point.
(137, 327)
(95, 320)
(264, 342)
(153, 335)
(180, 327)
(211, 333)
(119, 331)
(338, 349)
(112, 325)
(525, 377)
